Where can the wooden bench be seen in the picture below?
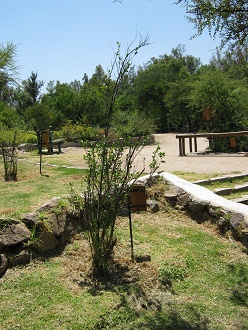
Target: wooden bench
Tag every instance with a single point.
(193, 136)
(45, 140)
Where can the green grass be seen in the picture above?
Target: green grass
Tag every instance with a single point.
(196, 279)
(230, 183)
(32, 190)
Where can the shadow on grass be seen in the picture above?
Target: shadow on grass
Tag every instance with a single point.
(239, 295)
(142, 307)
(173, 319)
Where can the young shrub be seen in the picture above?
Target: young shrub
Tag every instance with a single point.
(111, 169)
(9, 143)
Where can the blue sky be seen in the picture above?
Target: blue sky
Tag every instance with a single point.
(63, 39)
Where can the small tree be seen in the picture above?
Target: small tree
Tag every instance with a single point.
(8, 142)
(111, 168)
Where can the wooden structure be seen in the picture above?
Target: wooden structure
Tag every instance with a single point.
(138, 198)
(45, 140)
(193, 137)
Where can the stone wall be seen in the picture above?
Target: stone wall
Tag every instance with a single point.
(204, 205)
(49, 228)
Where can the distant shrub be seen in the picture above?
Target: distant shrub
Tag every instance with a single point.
(223, 144)
(71, 132)
(133, 124)
(28, 137)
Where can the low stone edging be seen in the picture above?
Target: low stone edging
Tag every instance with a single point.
(203, 204)
(78, 144)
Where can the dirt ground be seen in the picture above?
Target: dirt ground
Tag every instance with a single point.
(194, 162)
(197, 162)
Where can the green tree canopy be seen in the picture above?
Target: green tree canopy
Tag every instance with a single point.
(227, 19)
(8, 68)
(27, 94)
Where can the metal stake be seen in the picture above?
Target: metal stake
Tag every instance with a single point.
(130, 227)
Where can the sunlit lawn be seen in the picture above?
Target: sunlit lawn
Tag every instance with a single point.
(196, 278)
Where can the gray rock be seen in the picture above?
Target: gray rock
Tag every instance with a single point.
(14, 234)
(153, 205)
(21, 257)
(47, 241)
(27, 147)
(196, 206)
(30, 219)
(244, 236)
(71, 228)
(4, 263)
(237, 221)
(182, 199)
(171, 198)
(56, 223)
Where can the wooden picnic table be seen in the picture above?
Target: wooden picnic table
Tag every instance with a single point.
(193, 137)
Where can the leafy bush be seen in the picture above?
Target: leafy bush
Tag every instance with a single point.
(133, 124)
(8, 142)
(9, 117)
(28, 137)
(222, 144)
(71, 131)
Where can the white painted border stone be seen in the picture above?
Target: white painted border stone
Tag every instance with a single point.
(201, 194)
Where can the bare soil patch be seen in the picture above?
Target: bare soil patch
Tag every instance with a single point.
(199, 162)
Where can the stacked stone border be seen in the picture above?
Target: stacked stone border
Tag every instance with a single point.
(204, 205)
(42, 232)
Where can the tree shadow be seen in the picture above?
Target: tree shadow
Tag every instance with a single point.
(239, 295)
(173, 319)
(141, 306)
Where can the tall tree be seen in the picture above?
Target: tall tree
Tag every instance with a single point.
(225, 97)
(8, 68)
(27, 94)
(33, 87)
(227, 19)
(234, 61)
(155, 81)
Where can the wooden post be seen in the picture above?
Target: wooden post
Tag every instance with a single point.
(180, 146)
(130, 229)
(183, 146)
(195, 142)
(137, 203)
(190, 144)
(233, 143)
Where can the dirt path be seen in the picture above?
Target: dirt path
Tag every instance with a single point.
(198, 163)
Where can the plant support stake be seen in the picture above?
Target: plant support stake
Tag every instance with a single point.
(130, 228)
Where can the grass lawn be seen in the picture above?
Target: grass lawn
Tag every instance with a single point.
(196, 278)
(32, 190)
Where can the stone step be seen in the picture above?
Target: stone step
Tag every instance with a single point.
(242, 200)
(229, 191)
(241, 187)
(227, 178)
(223, 191)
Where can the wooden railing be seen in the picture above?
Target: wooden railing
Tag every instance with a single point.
(193, 137)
